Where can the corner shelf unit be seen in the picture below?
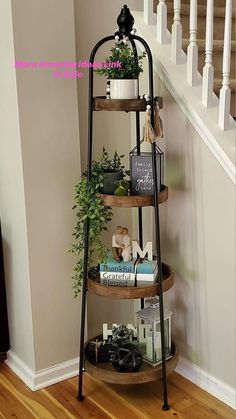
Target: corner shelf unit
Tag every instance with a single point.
(165, 278)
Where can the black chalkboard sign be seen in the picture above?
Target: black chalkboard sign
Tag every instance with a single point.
(141, 172)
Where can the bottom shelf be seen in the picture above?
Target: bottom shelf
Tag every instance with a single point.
(146, 373)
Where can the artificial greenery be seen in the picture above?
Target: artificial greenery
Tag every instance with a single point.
(123, 187)
(131, 66)
(88, 206)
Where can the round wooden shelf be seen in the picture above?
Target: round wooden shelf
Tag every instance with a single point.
(100, 103)
(105, 371)
(133, 292)
(134, 200)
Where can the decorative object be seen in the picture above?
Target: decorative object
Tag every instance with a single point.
(126, 246)
(121, 245)
(117, 245)
(97, 351)
(108, 90)
(158, 125)
(93, 273)
(124, 77)
(127, 265)
(122, 187)
(127, 358)
(108, 334)
(150, 133)
(122, 334)
(149, 332)
(137, 251)
(141, 172)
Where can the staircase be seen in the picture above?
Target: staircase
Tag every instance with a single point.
(194, 57)
(218, 40)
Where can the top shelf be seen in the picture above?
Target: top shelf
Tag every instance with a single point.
(100, 103)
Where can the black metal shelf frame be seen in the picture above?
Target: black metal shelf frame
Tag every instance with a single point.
(125, 29)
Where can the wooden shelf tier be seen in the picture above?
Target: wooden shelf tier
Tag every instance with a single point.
(106, 372)
(100, 103)
(133, 292)
(134, 200)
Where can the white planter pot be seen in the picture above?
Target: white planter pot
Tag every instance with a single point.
(124, 89)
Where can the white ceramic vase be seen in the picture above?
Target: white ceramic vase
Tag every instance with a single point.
(124, 88)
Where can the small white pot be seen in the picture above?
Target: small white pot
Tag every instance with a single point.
(124, 89)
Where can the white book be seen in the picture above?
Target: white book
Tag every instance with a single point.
(117, 279)
(147, 279)
(124, 279)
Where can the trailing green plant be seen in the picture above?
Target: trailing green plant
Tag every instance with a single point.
(89, 206)
(131, 66)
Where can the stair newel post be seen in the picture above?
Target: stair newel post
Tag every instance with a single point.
(225, 91)
(148, 11)
(208, 69)
(176, 42)
(192, 51)
(157, 226)
(86, 228)
(162, 22)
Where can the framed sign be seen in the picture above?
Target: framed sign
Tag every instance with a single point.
(141, 171)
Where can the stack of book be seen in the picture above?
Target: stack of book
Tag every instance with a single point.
(128, 274)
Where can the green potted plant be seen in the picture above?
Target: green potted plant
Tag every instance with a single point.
(88, 205)
(113, 171)
(123, 80)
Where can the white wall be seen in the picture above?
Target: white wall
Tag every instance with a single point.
(12, 201)
(41, 166)
(199, 242)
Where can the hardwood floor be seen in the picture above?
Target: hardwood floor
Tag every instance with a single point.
(102, 401)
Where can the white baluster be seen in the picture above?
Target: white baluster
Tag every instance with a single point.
(176, 47)
(161, 21)
(192, 51)
(148, 11)
(225, 92)
(208, 70)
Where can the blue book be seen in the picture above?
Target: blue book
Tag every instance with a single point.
(111, 265)
(143, 267)
(147, 267)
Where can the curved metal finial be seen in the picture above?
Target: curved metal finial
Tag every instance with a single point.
(125, 21)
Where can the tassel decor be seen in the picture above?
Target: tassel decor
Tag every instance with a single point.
(158, 126)
(148, 132)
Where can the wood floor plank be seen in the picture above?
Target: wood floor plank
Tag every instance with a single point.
(148, 401)
(218, 408)
(103, 401)
(65, 392)
(107, 400)
(11, 407)
(35, 403)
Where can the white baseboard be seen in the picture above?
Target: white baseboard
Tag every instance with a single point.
(43, 378)
(207, 382)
